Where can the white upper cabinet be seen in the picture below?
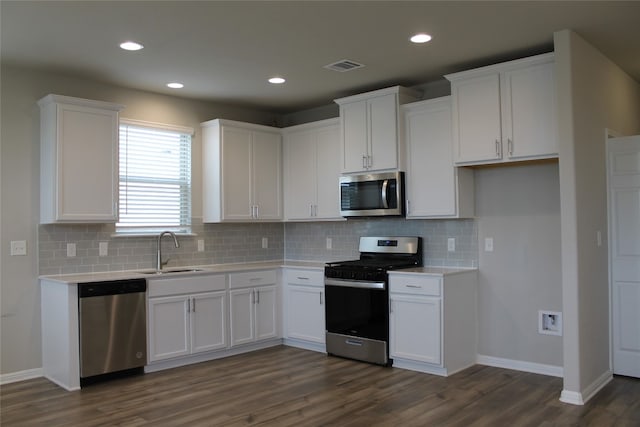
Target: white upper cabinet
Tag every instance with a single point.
(435, 188)
(371, 129)
(242, 171)
(505, 112)
(312, 171)
(78, 160)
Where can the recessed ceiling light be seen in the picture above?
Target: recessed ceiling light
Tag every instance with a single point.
(276, 80)
(129, 45)
(175, 85)
(420, 38)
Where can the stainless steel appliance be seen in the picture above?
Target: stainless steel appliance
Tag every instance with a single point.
(357, 297)
(376, 194)
(113, 328)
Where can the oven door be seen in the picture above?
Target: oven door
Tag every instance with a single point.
(357, 320)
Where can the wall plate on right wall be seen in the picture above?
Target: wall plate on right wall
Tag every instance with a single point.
(550, 322)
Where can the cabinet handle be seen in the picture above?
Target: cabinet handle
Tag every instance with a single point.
(497, 148)
(364, 161)
(414, 286)
(257, 212)
(310, 209)
(510, 146)
(253, 296)
(193, 301)
(320, 298)
(369, 162)
(315, 210)
(408, 207)
(189, 305)
(257, 296)
(302, 278)
(390, 306)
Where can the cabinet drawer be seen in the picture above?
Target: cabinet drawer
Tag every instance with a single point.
(186, 285)
(305, 277)
(252, 278)
(415, 285)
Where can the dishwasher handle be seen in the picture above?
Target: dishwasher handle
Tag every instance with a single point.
(111, 287)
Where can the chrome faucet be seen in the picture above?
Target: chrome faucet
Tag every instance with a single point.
(159, 262)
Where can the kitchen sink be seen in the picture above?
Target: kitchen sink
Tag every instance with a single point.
(161, 272)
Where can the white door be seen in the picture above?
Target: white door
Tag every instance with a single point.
(305, 313)
(267, 173)
(241, 303)
(328, 176)
(168, 327)
(236, 173)
(414, 328)
(265, 305)
(208, 321)
(354, 138)
(383, 132)
(623, 161)
(300, 151)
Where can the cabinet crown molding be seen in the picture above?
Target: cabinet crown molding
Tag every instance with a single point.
(501, 67)
(402, 91)
(61, 99)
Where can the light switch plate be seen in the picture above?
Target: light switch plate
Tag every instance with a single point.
(265, 243)
(200, 245)
(71, 250)
(451, 244)
(18, 247)
(488, 244)
(103, 248)
(329, 243)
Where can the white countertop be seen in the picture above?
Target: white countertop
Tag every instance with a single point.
(226, 268)
(202, 269)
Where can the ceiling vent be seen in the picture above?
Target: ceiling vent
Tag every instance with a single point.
(344, 65)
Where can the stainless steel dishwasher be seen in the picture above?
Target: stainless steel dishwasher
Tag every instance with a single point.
(113, 328)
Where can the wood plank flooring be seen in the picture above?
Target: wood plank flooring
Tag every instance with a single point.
(284, 386)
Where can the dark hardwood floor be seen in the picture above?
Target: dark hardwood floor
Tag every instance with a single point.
(284, 386)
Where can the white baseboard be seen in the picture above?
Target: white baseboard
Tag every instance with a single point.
(305, 345)
(580, 398)
(520, 365)
(14, 377)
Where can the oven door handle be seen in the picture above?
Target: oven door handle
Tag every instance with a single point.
(354, 284)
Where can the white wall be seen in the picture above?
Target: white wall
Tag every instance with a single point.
(21, 88)
(592, 94)
(519, 207)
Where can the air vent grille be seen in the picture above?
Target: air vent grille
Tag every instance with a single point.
(344, 65)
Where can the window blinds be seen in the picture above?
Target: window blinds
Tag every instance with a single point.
(155, 179)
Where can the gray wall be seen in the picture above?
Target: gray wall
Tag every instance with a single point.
(519, 207)
(593, 94)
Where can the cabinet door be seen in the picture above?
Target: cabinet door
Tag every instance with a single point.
(431, 184)
(354, 138)
(168, 327)
(476, 121)
(236, 174)
(208, 321)
(305, 313)
(328, 172)
(242, 316)
(383, 132)
(529, 115)
(87, 169)
(301, 174)
(414, 328)
(266, 309)
(267, 172)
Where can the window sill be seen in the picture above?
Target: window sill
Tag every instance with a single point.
(153, 234)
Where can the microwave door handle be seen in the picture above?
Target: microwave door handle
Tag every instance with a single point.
(385, 201)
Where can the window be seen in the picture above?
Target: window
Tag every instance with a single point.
(155, 178)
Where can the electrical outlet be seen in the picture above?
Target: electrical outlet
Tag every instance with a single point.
(18, 247)
(265, 243)
(103, 248)
(488, 244)
(451, 244)
(71, 250)
(549, 322)
(200, 245)
(329, 243)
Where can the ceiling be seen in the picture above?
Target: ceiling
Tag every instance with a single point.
(224, 51)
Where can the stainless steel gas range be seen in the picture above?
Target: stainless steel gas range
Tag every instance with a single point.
(357, 297)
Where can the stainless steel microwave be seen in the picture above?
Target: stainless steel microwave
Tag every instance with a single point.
(372, 194)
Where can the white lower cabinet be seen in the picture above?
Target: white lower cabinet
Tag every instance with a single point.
(305, 312)
(186, 316)
(432, 322)
(253, 306)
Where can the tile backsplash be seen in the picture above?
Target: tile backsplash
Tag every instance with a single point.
(231, 243)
